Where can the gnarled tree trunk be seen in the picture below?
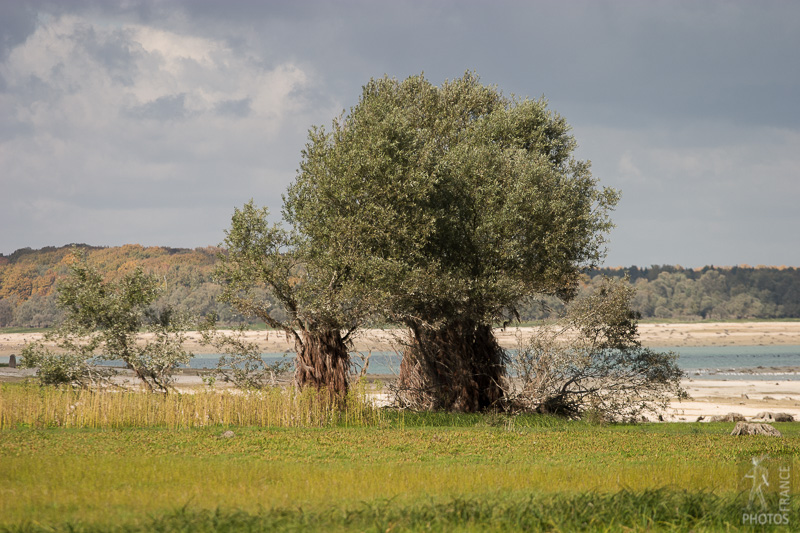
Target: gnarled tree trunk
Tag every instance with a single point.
(458, 367)
(322, 361)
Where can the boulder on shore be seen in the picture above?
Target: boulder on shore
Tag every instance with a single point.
(749, 428)
(774, 417)
(730, 417)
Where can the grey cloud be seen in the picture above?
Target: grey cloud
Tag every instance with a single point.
(235, 108)
(607, 61)
(17, 21)
(170, 107)
(11, 128)
(113, 52)
(35, 89)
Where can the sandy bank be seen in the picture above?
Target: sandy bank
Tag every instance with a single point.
(748, 398)
(653, 335)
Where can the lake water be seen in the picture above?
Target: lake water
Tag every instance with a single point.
(740, 362)
(702, 362)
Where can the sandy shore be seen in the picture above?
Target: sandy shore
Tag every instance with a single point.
(708, 397)
(746, 397)
(652, 335)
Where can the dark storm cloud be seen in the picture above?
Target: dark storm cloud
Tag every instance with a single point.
(17, 21)
(626, 63)
(688, 107)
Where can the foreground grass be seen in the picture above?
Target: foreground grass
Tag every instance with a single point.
(413, 472)
(651, 510)
(126, 461)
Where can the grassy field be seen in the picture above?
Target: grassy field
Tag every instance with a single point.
(391, 472)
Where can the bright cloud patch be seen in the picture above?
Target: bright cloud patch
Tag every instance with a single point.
(92, 114)
(97, 73)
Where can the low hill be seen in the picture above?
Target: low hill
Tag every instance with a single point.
(28, 280)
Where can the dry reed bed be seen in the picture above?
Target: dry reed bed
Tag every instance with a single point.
(39, 407)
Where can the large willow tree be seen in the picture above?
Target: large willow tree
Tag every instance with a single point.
(454, 203)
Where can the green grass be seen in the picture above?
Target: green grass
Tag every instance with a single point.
(649, 510)
(128, 461)
(452, 472)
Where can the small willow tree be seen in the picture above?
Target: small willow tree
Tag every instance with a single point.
(453, 204)
(103, 322)
(315, 305)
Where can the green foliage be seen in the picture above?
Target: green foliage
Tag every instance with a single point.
(455, 202)
(258, 255)
(310, 294)
(316, 298)
(37, 311)
(713, 293)
(77, 366)
(647, 510)
(102, 322)
(448, 206)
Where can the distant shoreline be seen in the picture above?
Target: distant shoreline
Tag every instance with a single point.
(654, 335)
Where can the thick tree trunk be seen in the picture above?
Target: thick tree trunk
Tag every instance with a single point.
(458, 367)
(322, 362)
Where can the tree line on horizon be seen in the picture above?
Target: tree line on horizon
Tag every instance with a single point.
(28, 280)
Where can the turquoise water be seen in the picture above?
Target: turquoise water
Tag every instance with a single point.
(708, 362)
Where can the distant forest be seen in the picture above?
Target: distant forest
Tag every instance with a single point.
(28, 280)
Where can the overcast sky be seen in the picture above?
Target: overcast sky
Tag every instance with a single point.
(149, 121)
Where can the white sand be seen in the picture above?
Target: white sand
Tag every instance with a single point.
(746, 397)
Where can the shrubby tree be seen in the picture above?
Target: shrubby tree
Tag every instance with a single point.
(591, 360)
(103, 322)
(312, 300)
(76, 361)
(453, 204)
